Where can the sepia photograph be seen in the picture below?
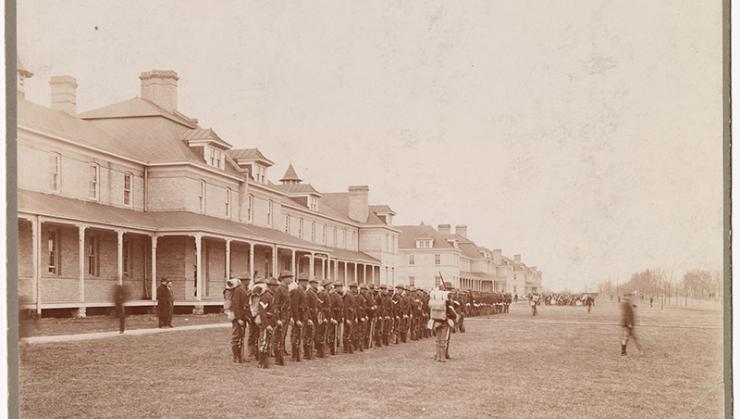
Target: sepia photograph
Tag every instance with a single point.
(369, 209)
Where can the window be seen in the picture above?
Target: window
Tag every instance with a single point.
(55, 166)
(344, 238)
(436, 259)
(126, 257)
(228, 202)
(424, 244)
(127, 179)
(411, 259)
(92, 256)
(323, 233)
(211, 156)
(94, 181)
(269, 213)
(202, 197)
(287, 224)
(313, 203)
(412, 281)
(313, 231)
(250, 206)
(335, 237)
(53, 249)
(300, 228)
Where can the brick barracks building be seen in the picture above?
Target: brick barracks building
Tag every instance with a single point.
(137, 191)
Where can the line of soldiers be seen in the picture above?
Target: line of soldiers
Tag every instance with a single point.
(320, 318)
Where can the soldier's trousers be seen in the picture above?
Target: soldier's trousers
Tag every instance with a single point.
(237, 340)
(278, 344)
(263, 347)
(295, 342)
(441, 331)
(347, 338)
(358, 337)
(330, 335)
(252, 338)
(308, 340)
(320, 341)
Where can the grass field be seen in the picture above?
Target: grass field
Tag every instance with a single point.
(564, 363)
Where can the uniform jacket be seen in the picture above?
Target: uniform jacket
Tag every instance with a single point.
(350, 310)
(298, 304)
(281, 302)
(240, 303)
(337, 304)
(628, 314)
(266, 310)
(359, 305)
(325, 306)
(163, 296)
(312, 305)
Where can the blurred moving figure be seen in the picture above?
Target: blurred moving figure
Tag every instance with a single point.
(628, 324)
(119, 299)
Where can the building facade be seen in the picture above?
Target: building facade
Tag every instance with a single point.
(137, 191)
(428, 255)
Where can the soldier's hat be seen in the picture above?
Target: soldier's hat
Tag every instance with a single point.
(327, 283)
(363, 286)
(372, 286)
(383, 287)
(302, 277)
(244, 277)
(353, 284)
(273, 281)
(285, 274)
(314, 280)
(399, 286)
(259, 281)
(232, 283)
(338, 284)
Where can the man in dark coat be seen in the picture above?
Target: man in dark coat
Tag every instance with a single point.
(281, 304)
(236, 300)
(325, 317)
(350, 320)
(265, 320)
(337, 305)
(628, 324)
(163, 304)
(358, 336)
(387, 312)
(312, 316)
(297, 318)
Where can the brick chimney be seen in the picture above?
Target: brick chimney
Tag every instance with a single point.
(64, 94)
(462, 231)
(444, 229)
(497, 257)
(358, 209)
(160, 87)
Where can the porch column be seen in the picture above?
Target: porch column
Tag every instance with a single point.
(251, 262)
(356, 279)
(346, 269)
(228, 259)
(336, 270)
(154, 268)
(81, 239)
(324, 265)
(198, 268)
(35, 253)
(274, 259)
(310, 265)
(372, 269)
(364, 273)
(292, 263)
(119, 259)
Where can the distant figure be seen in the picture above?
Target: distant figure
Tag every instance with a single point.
(651, 301)
(516, 298)
(164, 303)
(589, 303)
(628, 324)
(235, 307)
(119, 299)
(534, 301)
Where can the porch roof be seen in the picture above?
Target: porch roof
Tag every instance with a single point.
(477, 275)
(160, 222)
(353, 256)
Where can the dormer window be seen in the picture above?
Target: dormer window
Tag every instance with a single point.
(424, 243)
(313, 203)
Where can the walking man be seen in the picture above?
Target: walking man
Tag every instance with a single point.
(628, 324)
(163, 304)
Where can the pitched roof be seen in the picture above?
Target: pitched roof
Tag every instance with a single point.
(138, 107)
(297, 188)
(382, 209)
(248, 154)
(204, 134)
(290, 174)
(410, 233)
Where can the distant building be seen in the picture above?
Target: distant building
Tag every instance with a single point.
(426, 254)
(136, 191)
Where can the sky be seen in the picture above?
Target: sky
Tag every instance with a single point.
(584, 135)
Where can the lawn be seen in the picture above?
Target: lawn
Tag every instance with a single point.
(564, 363)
